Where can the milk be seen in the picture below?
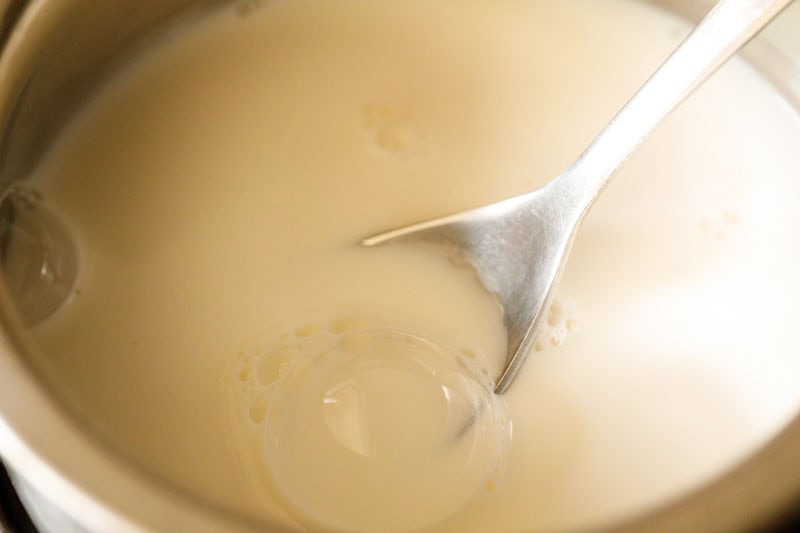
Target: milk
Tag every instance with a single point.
(218, 187)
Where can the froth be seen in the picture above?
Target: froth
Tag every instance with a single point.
(360, 426)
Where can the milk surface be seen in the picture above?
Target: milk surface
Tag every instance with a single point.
(218, 187)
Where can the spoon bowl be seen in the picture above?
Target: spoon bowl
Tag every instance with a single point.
(517, 248)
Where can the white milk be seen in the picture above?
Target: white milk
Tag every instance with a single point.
(228, 332)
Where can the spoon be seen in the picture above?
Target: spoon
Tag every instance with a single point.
(518, 247)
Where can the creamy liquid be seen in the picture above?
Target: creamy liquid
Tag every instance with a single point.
(228, 334)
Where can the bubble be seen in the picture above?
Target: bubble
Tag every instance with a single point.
(555, 314)
(720, 225)
(372, 433)
(258, 409)
(560, 320)
(339, 413)
(731, 218)
(396, 130)
(395, 138)
(273, 366)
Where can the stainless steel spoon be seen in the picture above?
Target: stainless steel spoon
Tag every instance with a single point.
(518, 246)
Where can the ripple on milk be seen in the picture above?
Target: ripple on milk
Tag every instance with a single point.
(355, 425)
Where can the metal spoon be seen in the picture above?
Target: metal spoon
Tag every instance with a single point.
(518, 246)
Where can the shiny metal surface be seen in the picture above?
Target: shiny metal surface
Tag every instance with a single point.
(53, 54)
(518, 246)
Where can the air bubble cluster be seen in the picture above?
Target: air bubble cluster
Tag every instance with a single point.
(266, 360)
(721, 226)
(561, 320)
(396, 130)
(341, 414)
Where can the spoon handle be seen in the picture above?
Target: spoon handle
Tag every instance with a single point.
(726, 28)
